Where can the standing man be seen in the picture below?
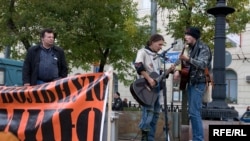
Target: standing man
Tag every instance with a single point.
(125, 102)
(147, 62)
(117, 105)
(199, 57)
(44, 62)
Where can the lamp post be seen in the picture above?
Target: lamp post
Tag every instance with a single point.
(153, 17)
(218, 108)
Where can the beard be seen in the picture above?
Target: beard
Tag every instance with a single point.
(190, 44)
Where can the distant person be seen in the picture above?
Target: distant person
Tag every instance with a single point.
(117, 105)
(248, 108)
(44, 62)
(125, 102)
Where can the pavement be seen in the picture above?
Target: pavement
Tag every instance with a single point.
(185, 130)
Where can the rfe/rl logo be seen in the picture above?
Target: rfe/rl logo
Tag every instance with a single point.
(238, 132)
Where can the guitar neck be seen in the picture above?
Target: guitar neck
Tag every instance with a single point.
(169, 70)
(164, 75)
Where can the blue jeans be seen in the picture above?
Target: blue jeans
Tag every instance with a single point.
(195, 94)
(150, 116)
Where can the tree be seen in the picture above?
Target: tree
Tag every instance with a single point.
(107, 32)
(185, 13)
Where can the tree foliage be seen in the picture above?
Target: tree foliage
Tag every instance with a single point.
(185, 13)
(107, 32)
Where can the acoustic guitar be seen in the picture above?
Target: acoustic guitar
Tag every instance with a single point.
(143, 93)
(184, 73)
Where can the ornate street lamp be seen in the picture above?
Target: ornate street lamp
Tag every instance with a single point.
(218, 108)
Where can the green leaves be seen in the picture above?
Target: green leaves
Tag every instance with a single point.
(194, 13)
(90, 31)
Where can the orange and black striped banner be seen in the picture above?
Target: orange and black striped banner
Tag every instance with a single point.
(69, 109)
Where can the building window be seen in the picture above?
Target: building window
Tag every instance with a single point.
(2, 82)
(96, 67)
(177, 96)
(146, 4)
(115, 82)
(231, 87)
(233, 40)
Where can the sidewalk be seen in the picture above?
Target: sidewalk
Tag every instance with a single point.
(186, 131)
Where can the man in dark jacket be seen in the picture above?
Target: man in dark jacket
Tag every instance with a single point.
(198, 59)
(44, 62)
(117, 105)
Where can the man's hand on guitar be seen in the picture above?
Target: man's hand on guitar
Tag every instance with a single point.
(172, 68)
(151, 82)
(176, 75)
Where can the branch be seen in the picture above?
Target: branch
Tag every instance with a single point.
(11, 25)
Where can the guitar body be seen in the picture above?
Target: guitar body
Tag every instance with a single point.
(184, 71)
(184, 77)
(143, 93)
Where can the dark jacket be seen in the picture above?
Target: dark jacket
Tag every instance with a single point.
(117, 105)
(31, 64)
(200, 59)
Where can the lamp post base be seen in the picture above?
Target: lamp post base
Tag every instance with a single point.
(219, 111)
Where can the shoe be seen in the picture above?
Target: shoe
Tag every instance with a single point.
(144, 135)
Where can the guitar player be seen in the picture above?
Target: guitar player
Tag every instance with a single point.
(146, 62)
(199, 57)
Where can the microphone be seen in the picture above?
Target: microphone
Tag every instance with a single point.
(165, 51)
(162, 54)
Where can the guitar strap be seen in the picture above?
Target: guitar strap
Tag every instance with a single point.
(209, 78)
(194, 50)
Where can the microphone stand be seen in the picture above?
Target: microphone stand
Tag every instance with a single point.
(163, 54)
(163, 84)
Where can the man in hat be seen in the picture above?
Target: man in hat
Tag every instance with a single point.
(199, 57)
(117, 105)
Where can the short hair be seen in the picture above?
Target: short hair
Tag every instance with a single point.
(47, 30)
(118, 93)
